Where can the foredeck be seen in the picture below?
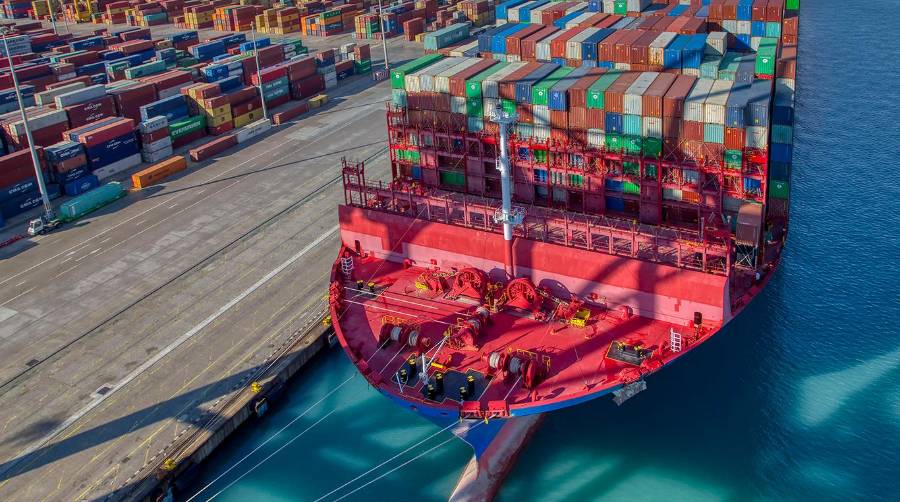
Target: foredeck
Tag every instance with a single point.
(575, 357)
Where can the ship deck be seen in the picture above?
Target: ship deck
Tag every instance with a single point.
(575, 357)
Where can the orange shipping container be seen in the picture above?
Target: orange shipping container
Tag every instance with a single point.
(158, 172)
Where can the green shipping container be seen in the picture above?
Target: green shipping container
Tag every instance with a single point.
(782, 134)
(446, 36)
(779, 189)
(145, 69)
(540, 92)
(651, 171)
(90, 201)
(451, 178)
(633, 144)
(733, 159)
(631, 168)
(398, 75)
(773, 30)
(596, 91)
(614, 142)
(186, 126)
(620, 7)
(714, 133)
(474, 107)
(631, 188)
(509, 106)
(653, 147)
(792, 4)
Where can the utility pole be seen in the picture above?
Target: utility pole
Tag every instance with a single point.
(258, 75)
(48, 209)
(387, 65)
(52, 16)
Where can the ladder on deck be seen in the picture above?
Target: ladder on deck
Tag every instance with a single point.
(674, 340)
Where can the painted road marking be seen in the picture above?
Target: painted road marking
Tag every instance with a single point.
(164, 352)
(29, 290)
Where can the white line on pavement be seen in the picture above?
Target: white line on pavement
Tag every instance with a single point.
(168, 349)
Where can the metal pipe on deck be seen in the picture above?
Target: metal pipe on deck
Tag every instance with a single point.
(506, 215)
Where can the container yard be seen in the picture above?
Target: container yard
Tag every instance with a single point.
(182, 138)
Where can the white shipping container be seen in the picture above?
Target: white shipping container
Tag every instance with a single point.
(693, 103)
(490, 105)
(744, 27)
(442, 81)
(457, 104)
(46, 97)
(652, 127)
(634, 95)
(153, 124)
(787, 82)
(637, 5)
(574, 44)
(609, 6)
(38, 121)
(623, 66)
(157, 155)
(693, 72)
(490, 87)
(542, 48)
(577, 20)
(716, 43)
(330, 80)
(658, 47)
(541, 115)
(757, 137)
(117, 167)
(730, 26)
(714, 106)
(754, 43)
(252, 130)
(172, 91)
(513, 58)
(596, 138)
(89, 93)
(541, 133)
(536, 14)
(157, 145)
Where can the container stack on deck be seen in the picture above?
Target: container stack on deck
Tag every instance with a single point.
(679, 129)
(101, 104)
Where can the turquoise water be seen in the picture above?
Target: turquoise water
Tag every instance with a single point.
(797, 399)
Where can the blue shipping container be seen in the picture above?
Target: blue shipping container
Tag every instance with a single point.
(614, 123)
(735, 108)
(112, 151)
(173, 107)
(672, 53)
(65, 150)
(692, 53)
(779, 152)
(81, 185)
(589, 45)
(502, 10)
(523, 86)
(498, 40)
(18, 189)
(758, 103)
(72, 175)
(615, 204)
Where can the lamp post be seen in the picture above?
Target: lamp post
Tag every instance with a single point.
(48, 209)
(52, 16)
(383, 35)
(262, 95)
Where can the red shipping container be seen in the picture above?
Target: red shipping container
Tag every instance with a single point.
(578, 118)
(596, 119)
(514, 41)
(42, 137)
(268, 75)
(69, 164)
(559, 119)
(18, 166)
(86, 80)
(130, 99)
(508, 84)
(614, 97)
(558, 45)
(458, 81)
(207, 150)
(774, 11)
(528, 45)
(105, 133)
(155, 136)
(524, 113)
(243, 95)
(246, 107)
(90, 111)
(188, 138)
(622, 52)
(308, 86)
(786, 64)
(222, 129)
(135, 35)
(673, 102)
(301, 68)
(734, 138)
(652, 101)
(134, 46)
(640, 49)
(692, 131)
(578, 90)
(607, 47)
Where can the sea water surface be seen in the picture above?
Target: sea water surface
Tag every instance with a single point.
(797, 399)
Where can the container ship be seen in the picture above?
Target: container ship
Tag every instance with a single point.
(584, 196)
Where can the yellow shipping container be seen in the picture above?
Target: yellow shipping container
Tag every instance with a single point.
(217, 120)
(318, 100)
(251, 116)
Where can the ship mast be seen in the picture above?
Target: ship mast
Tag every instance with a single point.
(507, 215)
